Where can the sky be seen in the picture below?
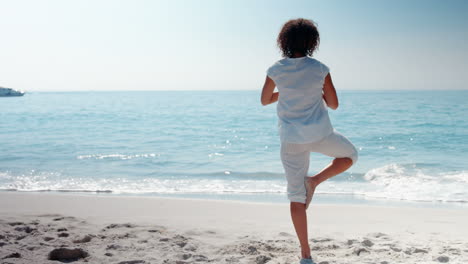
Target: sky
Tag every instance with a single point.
(227, 45)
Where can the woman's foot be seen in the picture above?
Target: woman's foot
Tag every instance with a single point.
(310, 183)
(307, 261)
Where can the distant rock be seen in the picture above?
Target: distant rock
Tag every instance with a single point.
(35, 222)
(396, 249)
(377, 235)
(13, 255)
(190, 247)
(359, 251)
(85, 239)
(26, 229)
(119, 226)
(186, 256)
(262, 259)
(251, 250)
(285, 234)
(31, 248)
(113, 246)
(15, 223)
(367, 243)
(419, 250)
(199, 258)
(19, 238)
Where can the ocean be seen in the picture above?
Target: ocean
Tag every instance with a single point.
(224, 145)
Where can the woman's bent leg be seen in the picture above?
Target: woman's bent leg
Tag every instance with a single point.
(337, 166)
(334, 145)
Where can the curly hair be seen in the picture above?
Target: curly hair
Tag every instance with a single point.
(298, 36)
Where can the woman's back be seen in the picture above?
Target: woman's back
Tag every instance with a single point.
(302, 112)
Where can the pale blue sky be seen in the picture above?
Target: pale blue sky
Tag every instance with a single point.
(227, 45)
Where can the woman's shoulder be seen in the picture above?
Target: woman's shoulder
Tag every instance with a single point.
(315, 61)
(279, 63)
(275, 67)
(323, 67)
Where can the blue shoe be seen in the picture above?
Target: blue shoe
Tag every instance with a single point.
(307, 261)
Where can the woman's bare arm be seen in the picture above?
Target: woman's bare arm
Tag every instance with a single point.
(329, 93)
(268, 96)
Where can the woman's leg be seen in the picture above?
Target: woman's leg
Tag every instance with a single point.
(299, 219)
(296, 164)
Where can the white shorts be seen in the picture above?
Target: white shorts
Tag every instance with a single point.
(295, 158)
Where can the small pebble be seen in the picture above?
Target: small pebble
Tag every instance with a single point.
(443, 259)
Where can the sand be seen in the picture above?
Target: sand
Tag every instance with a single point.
(50, 227)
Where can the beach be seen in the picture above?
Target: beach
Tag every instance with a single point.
(163, 177)
(38, 227)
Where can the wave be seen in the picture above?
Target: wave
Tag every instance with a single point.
(117, 156)
(406, 182)
(416, 183)
(413, 172)
(59, 190)
(253, 175)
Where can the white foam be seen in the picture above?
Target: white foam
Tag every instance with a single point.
(409, 182)
(392, 181)
(117, 156)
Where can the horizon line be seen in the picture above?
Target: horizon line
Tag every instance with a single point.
(236, 90)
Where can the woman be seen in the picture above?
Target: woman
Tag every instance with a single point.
(305, 90)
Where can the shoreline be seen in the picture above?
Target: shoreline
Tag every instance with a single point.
(223, 231)
(267, 198)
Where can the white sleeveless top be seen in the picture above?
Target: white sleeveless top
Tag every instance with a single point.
(302, 112)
